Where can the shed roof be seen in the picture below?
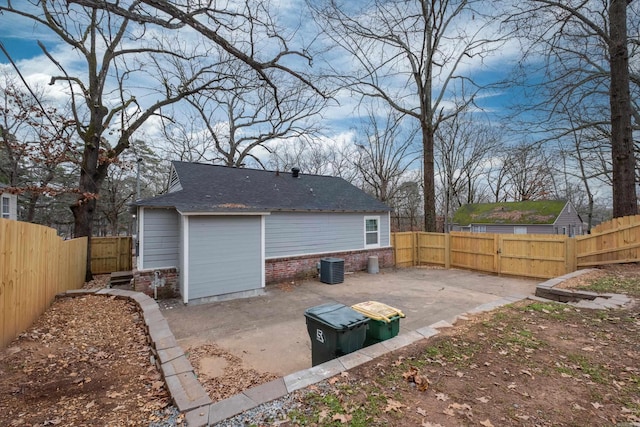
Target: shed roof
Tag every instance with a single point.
(528, 212)
(210, 188)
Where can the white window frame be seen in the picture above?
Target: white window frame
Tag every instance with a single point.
(372, 245)
(520, 229)
(6, 203)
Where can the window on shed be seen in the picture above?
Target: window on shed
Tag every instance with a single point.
(478, 228)
(519, 230)
(371, 231)
(6, 210)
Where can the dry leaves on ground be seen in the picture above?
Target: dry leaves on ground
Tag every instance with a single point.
(85, 361)
(230, 378)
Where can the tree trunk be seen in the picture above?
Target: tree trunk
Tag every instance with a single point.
(429, 179)
(85, 206)
(624, 185)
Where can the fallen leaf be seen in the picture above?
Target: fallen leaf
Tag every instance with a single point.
(588, 348)
(482, 399)
(421, 412)
(597, 405)
(486, 423)
(333, 380)
(523, 417)
(442, 397)
(462, 406)
(578, 407)
(393, 405)
(524, 371)
(343, 418)
(323, 415)
(459, 374)
(428, 424)
(90, 404)
(512, 386)
(449, 412)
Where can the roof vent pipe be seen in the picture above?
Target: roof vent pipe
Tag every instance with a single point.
(295, 172)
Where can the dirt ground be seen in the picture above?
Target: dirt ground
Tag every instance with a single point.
(86, 362)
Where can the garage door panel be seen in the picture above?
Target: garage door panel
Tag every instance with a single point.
(225, 255)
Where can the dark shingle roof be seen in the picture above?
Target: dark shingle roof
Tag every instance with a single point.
(210, 188)
(529, 212)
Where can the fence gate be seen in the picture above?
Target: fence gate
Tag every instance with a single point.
(110, 254)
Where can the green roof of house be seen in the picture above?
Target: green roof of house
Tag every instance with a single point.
(529, 212)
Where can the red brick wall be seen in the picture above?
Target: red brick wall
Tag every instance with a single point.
(142, 281)
(284, 269)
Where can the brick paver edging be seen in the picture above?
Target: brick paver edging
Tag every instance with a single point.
(184, 388)
(582, 299)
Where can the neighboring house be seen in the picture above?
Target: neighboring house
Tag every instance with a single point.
(530, 217)
(8, 204)
(223, 231)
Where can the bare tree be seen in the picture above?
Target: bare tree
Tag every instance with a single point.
(587, 48)
(385, 152)
(315, 156)
(237, 123)
(463, 146)
(529, 173)
(412, 55)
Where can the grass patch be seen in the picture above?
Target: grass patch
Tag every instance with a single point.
(628, 285)
(596, 372)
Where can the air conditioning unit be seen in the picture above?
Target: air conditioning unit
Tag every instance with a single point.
(332, 270)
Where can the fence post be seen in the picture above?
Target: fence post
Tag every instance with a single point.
(571, 255)
(415, 258)
(393, 245)
(497, 240)
(447, 250)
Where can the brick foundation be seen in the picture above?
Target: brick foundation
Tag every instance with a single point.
(142, 281)
(304, 267)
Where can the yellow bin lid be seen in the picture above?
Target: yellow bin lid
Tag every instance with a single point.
(377, 310)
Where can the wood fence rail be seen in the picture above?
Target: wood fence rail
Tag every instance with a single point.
(541, 256)
(35, 265)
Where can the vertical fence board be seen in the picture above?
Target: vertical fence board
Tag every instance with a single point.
(109, 254)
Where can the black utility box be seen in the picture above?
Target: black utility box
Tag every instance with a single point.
(332, 270)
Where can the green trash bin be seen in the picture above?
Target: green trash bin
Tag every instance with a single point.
(384, 321)
(335, 330)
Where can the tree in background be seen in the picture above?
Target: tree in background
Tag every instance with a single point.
(463, 148)
(37, 146)
(385, 151)
(586, 46)
(411, 55)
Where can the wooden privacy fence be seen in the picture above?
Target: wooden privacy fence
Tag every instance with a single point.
(530, 255)
(35, 265)
(109, 254)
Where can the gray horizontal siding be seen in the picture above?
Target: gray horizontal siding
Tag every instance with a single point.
(161, 237)
(225, 255)
(293, 233)
(509, 228)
